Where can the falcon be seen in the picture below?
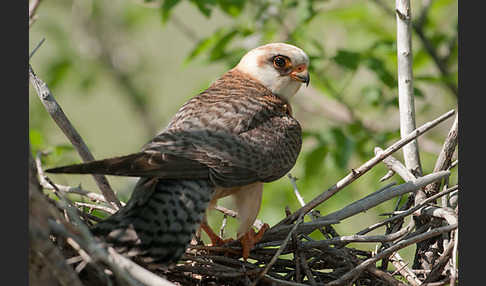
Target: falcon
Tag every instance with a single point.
(226, 141)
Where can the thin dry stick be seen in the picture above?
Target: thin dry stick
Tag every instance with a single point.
(445, 157)
(279, 251)
(44, 251)
(358, 238)
(383, 195)
(404, 270)
(358, 172)
(131, 272)
(454, 259)
(405, 84)
(36, 48)
(225, 211)
(65, 125)
(32, 9)
(387, 252)
(293, 181)
(396, 166)
(440, 263)
(67, 189)
(105, 209)
(409, 211)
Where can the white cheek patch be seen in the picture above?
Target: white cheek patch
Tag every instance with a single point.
(265, 73)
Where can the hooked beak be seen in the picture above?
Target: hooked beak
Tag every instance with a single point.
(302, 76)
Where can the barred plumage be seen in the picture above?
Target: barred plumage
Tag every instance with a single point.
(227, 140)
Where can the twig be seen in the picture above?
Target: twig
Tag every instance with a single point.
(409, 211)
(454, 259)
(306, 268)
(106, 209)
(65, 125)
(45, 253)
(279, 251)
(36, 48)
(122, 266)
(444, 160)
(358, 172)
(440, 263)
(225, 211)
(358, 238)
(387, 252)
(67, 189)
(387, 176)
(296, 190)
(32, 9)
(404, 270)
(396, 166)
(383, 195)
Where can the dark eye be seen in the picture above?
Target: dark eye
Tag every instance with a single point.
(279, 62)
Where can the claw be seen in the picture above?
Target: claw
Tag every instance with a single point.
(215, 239)
(250, 238)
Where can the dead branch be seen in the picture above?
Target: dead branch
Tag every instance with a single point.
(443, 162)
(358, 172)
(383, 195)
(57, 114)
(405, 84)
(414, 239)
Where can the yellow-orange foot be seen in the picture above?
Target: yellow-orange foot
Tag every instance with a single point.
(250, 238)
(215, 239)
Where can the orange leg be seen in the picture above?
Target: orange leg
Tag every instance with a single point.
(215, 239)
(250, 238)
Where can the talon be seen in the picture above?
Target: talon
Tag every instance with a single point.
(215, 239)
(250, 238)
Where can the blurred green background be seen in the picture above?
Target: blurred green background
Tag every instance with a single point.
(121, 69)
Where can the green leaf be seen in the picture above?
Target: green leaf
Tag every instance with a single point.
(314, 160)
(62, 148)
(344, 147)
(347, 59)
(204, 45)
(36, 139)
(232, 7)
(218, 51)
(57, 71)
(204, 6)
(372, 94)
(167, 7)
(418, 93)
(378, 67)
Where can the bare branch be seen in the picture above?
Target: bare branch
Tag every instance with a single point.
(383, 195)
(387, 252)
(445, 157)
(123, 267)
(405, 84)
(409, 211)
(358, 172)
(57, 114)
(279, 251)
(34, 4)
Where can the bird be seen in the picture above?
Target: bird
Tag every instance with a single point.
(228, 140)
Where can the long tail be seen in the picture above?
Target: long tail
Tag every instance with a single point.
(158, 221)
(140, 164)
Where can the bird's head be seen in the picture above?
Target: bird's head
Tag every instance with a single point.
(282, 68)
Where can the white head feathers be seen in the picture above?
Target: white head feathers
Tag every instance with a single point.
(282, 68)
